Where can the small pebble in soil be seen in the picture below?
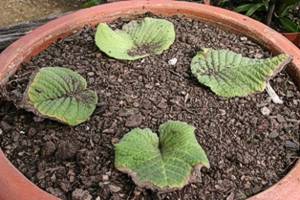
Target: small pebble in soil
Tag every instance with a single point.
(114, 188)
(172, 61)
(230, 196)
(280, 118)
(115, 140)
(48, 149)
(90, 73)
(31, 132)
(65, 150)
(105, 177)
(163, 104)
(265, 111)
(273, 134)
(292, 145)
(134, 121)
(243, 38)
(79, 194)
(1, 131)
(5, 126)
(258, 55)
(295, 101)
(222, 112)
(38, 119)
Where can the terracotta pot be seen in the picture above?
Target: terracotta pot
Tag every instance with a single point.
(14, 186)
(293, 37)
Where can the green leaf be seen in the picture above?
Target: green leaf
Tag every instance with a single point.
(165, 162)
(289, 25)
(285, 5)
(223, 3)
(250, 8)
(91, 3)
(254, 8)
(266, 4)
(137, 39)
(244, 7)
(228, 74)
(60, 94)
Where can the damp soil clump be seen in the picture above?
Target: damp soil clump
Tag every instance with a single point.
(249, 149)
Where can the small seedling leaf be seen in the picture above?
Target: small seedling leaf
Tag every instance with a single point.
(163, 162)
(60, 94)
(137, 39)
(228, 74)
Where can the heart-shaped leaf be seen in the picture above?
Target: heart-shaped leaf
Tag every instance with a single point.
(165, 162)
(137, 39)
(228, 74)
(60, 94)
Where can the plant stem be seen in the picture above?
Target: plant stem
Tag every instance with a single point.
(270, 13)
(275, 98)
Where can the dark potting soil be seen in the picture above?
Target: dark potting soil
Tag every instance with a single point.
(248, 151)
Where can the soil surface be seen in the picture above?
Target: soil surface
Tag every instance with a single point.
(17, 11)
(251, 143)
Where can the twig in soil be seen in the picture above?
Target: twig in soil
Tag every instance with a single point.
(275, 98)
(221, 133)
(183, 107)
(186, 98)
(176, 74)
(187, 110)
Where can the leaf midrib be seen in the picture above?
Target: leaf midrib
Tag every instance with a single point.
(66, 95)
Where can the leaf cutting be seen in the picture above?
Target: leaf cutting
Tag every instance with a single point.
(229, 74)
(60, 94)
(163, 162)
(137, 39)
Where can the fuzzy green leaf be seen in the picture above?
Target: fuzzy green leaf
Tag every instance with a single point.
(137, 39)
(228, 74)
(60, 94)
(165, 162)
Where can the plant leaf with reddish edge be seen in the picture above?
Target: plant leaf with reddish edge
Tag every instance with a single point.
(229, 74)
(137, 39)
(60, 94)
(163, 162)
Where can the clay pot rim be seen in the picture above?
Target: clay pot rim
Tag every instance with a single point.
(14, 186)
